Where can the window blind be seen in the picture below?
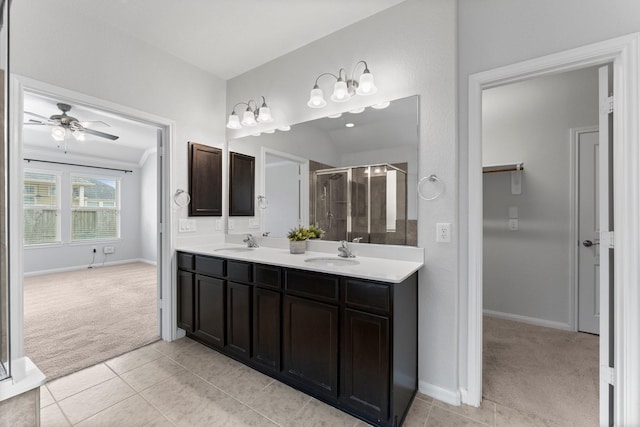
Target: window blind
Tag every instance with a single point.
(95, 208)
(41, 208)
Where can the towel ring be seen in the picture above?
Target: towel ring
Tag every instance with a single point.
(430, 181)
(262, 202)
(181, 198)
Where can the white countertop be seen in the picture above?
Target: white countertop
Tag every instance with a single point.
(371, 268)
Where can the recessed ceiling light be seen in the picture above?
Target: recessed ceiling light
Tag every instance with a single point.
(381, 105)
(349, 125)
(357, 110)
(284, 128)
(334, 116)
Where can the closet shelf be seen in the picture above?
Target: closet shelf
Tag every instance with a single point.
(507, 167)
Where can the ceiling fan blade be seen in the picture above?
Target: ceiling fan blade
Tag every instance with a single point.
(101, 134)
(94, 122)
(37, 115)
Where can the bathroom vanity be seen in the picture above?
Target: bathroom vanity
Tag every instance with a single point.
(342, 332)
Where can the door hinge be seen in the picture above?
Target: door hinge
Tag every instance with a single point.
(606, 106)
(608, 375)
(607, 239)
(161, 304)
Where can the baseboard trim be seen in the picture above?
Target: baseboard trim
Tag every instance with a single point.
(529, 320)
(84, 267)
(442, 394)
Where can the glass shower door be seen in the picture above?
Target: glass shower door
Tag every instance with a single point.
(332, 203)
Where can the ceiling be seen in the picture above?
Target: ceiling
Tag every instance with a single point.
(229, 37)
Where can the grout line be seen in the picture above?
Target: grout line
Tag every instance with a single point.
(426, 421)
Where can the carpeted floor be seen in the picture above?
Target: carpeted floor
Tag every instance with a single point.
(76, 319)
(543, 371)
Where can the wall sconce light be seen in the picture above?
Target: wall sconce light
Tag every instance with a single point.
(251, 116)
(344, 88)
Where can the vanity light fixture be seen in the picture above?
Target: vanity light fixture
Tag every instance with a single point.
(381, 106)
(345, 87)
(251, 116)
(334, 116)
(357, 110)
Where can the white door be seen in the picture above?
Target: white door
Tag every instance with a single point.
(588, 233)
(606, 251)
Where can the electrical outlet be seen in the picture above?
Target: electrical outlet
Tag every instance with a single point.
(254, 223)
(513, 224)
(443, 232)
(108, 249)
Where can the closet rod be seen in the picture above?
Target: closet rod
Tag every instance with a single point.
(76, 164)
(511, 167)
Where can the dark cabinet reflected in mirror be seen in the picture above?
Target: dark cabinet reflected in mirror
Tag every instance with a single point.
(353, 174)
(205, 180)
(242, 178)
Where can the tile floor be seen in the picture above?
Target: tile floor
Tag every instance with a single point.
(184, 383)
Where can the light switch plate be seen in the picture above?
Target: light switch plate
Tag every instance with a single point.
(218, 224)
(513, 212)
(513, 224)
(230, 224)
(254, 223)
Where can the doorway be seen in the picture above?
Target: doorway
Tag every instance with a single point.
(618, 400)
(153, 168)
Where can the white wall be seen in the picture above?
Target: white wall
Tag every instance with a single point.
(50, 43)
(494, 33)
(410, 49)
(149, 208)
(77, 255)
(527, 272)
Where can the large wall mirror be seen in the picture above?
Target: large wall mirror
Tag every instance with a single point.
(354, 176)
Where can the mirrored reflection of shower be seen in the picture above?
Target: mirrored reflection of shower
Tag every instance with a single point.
(361, 202)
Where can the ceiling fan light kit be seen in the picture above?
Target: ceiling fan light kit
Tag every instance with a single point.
(345, 87)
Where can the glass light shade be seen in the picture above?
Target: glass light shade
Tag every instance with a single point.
(366, 85)
(58, 133)
(248, 119)
(264, 115)
(357, 110)
(270, 131)
(340, 92)
(78, 135)
(234, 122)
(381, 106)
(316, 99)
(284, 128)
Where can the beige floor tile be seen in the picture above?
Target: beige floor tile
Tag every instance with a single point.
(134, 411)
(485, 414)
(172, 348)
(424, 397)
(133, 359)
(152, 373)
(241, 382)
(78, 381)
(91, 401)
(508, 417)
(440, 417)
(52, 416)
(205, 362)
(418, 413)
(319, 414)
(278, 402)
(46, 398)
(227, 412)
(179, 397)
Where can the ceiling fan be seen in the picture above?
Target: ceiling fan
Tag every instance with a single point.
(61, 123)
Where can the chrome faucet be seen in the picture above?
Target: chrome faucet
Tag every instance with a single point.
(250, 241)
(344, 251)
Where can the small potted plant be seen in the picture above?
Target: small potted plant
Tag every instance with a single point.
(315, 232)
(298, 237)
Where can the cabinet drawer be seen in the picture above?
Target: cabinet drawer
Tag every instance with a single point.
(239, 271)
(267, 275)
(312, 284)
(364, 294)
(210, 266)
(185, 261)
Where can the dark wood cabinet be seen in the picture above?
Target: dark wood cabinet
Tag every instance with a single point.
(310, 348)
(349, 342)
(210, 305)
(239, 319)
(365, 363)
(205, 180)
(267, 309)
(185, 300)
(241, 184)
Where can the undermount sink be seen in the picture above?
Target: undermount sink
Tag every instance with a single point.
(332, 262)
(235, 249)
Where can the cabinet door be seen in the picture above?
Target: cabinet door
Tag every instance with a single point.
(210, 310)
(239, 319)
(311, 345)
(266, 328)
(185, 300)
(365, 364)
(205, 180)
(241, 184)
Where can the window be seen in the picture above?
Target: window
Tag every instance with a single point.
(95, 208)
(41, 208)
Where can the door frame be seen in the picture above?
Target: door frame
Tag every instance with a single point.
(166, 287)
(624, 53)
(574, 168)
